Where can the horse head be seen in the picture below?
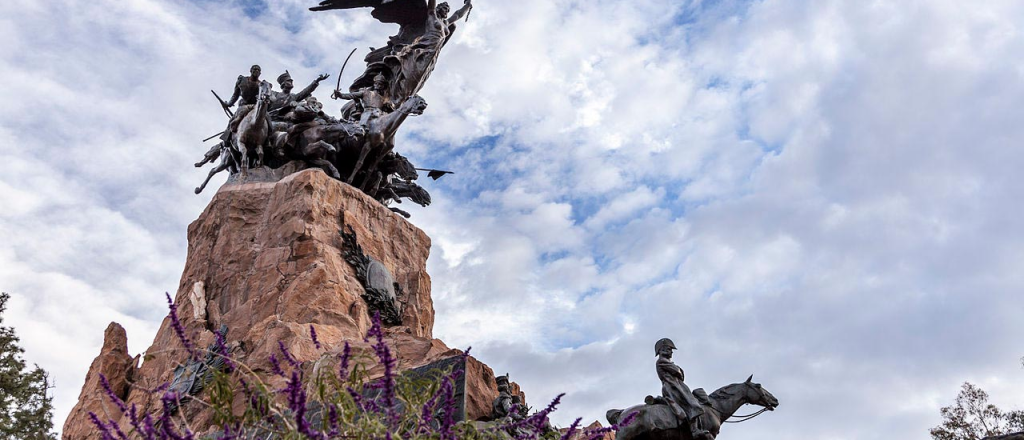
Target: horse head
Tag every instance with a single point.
(412, 192)
(755, 394)
(403, 168)
(415, 105)
(264, 95)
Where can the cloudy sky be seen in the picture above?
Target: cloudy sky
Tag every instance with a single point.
(821, 193)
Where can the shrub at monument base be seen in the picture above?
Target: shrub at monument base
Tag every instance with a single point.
(331, 398)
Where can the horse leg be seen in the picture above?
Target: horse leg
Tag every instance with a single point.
(374, 183)
(359, 162)
(327, 166)
(373, 165)
(223, 166)
(244, 149)
(259, 154)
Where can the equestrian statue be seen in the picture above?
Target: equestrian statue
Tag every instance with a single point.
(682, 414)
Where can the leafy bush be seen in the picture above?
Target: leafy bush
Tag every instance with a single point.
(317, 403)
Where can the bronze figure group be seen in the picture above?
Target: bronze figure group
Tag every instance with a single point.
(270, 129)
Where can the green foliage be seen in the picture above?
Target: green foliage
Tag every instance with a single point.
(26, 411)
(334, 397)
(973, 418)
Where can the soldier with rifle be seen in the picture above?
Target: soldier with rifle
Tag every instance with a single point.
(247, 88)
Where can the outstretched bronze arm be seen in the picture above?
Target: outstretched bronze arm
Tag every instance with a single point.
(461, 13)
(306, 92)
(353, 95)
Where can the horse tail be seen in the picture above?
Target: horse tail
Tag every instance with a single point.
(613, 416)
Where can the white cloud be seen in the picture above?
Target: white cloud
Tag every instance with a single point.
(821, 193)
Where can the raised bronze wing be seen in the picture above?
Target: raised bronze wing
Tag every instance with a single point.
(410, 15)
(387, 11)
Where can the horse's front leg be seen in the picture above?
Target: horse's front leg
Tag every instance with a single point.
(367, 146)
(259, 155)
(223, 166)
(245, 160)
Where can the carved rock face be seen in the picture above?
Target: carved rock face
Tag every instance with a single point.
(272, 261)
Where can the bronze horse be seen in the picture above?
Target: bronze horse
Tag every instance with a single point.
(253, 131)
(657, 421)
(354, 144)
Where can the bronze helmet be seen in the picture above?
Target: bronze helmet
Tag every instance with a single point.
(662, 343)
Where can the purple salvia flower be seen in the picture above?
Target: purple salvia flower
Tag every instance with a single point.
(287, 356)
(133, 416)
(599, 433)
(228, 434)
(540, 419)
(386, 359)
(221, 347)
(166, 423)
(111, 395)
(427, 413)
(537, 421)
(333, 420)
(104, 429)
(275, 366)
(117, 430)
(357, 398)
(178, 328)
(294, 390)
(572, 429)
(312, 335)
(297, 403)
(448, 405)
(255, 402)
(346, 354)
(150, 428)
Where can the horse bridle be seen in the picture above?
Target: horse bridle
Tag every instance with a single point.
(748, 416)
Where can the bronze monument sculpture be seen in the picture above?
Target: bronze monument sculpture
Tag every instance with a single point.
(681, 414)
(279, 132)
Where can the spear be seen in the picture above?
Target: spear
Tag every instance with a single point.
(211, 137)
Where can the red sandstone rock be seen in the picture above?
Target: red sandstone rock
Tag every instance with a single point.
(593, 426)
(117, 366)
(270, 260)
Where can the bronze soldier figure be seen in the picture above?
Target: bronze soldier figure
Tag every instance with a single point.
(686, 407)
(247, 89)
(285, 98)
(374, 101)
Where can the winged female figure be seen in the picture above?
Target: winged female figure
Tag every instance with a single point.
(410, 55)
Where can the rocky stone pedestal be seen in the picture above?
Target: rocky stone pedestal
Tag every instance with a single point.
(266, 260)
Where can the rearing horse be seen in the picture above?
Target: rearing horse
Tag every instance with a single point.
(354, 144)
(380, 132)
(658, 422)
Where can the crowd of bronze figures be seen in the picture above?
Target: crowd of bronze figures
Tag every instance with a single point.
(272, 128)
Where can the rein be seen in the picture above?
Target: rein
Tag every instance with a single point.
(746, 417)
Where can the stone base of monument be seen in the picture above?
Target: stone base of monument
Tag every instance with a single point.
(267, 174)
(265, 259)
